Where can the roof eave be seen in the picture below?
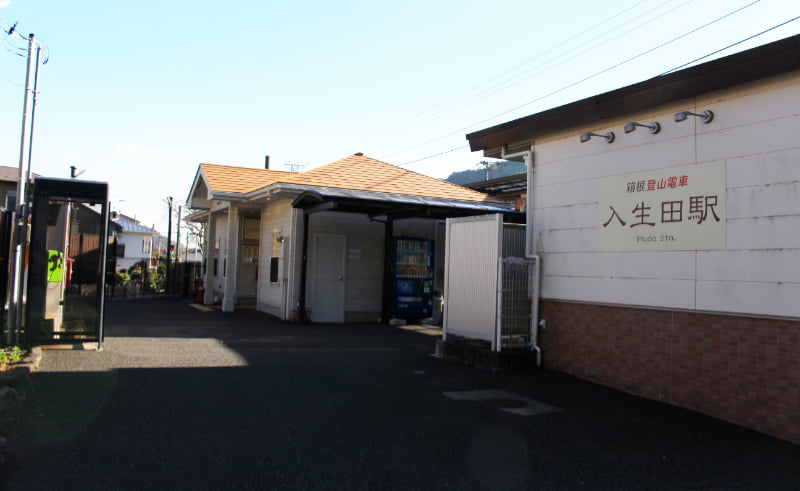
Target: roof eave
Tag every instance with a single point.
(275, 189)
(192, 201)
(226, 196)
(200, 215)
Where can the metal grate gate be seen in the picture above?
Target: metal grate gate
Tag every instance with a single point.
(513, 303)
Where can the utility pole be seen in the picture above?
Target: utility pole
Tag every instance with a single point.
(487, 166)
(169, 243)
(17, 294)
(177, 247)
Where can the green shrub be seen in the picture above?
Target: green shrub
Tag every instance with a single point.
(11, 355)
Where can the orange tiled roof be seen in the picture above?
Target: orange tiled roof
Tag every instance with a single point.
(355, 172)
(228, 179)
(366, 174)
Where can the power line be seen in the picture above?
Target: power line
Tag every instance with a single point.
(411, 119)
(521, 77)
(12, 31)
(730, 46)
(12, 82)
(579, 82)
(432, 156)
(618, 64)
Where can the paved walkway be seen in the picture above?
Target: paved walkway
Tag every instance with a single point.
(186, 399)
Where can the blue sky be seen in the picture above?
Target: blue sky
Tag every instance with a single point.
(138, 93)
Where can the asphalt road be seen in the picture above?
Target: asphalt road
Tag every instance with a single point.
(187, 399)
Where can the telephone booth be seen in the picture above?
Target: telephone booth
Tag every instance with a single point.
(67, 262)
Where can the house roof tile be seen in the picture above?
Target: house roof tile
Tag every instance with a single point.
(229, 179)
(355, 172)
(11, 174)
(367, 174)
(127, 225)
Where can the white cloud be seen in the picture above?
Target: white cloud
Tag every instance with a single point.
(4, 3)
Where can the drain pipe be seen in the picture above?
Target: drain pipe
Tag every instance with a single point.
(537, 282)
(498, 335)
(530, 250)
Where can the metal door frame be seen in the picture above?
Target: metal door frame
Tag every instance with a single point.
(46, 190)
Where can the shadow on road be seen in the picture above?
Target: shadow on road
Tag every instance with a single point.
(182, 398)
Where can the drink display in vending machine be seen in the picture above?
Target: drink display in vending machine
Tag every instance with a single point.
(413, 278)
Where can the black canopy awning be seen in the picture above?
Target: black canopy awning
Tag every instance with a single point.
(397, 206)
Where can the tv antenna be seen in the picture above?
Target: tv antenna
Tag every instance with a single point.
(295, 167)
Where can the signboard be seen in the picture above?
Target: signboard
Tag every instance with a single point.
(670, 209)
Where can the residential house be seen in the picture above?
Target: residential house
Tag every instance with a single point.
(513, 188)
(666, 218)
(134, 242)
(9, 179)
(317, 244)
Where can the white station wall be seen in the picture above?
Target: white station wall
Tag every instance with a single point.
(363, 261)
(754, 133)
(275, 216)
(217, 255)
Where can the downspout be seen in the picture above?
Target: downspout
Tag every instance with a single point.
(530, 250)
(388, 259)
(300, 316)
(499, 313)
(289, 270)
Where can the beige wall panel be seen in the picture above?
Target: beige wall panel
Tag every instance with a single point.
(764, 233)
(364, 271)
(565, 217)
(763, 137)
(773, 265)
(752, 104)
(565, 194)
(566, 146)
(645, 265)
(218, 285)
(764, 168)
(764, 201)
(274, 215)
(364, 261)
(775, 299)
(664, 293)
(754, 132)
(625, 159)
(566, 240)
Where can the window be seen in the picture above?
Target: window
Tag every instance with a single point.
(273, 270)
(274, 260)
(147, 245)
(11, 200)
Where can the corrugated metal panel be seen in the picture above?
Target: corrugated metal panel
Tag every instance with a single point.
(471, 276)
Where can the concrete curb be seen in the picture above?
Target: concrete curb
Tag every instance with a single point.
(30, 362)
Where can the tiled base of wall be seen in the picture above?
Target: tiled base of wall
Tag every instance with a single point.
(743, 370)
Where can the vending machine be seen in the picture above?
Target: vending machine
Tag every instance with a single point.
(413, 278)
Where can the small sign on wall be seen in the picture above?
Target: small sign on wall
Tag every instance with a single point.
(670, 209)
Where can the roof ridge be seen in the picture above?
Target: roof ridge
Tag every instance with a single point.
(359, 159)
(355, 172)
(246, 168)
